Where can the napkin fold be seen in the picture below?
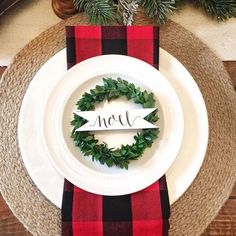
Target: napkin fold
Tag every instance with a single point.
(144, 213)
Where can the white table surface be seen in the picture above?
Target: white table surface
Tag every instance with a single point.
(27, 19)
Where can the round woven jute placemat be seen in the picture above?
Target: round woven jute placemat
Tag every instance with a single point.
(191, 214)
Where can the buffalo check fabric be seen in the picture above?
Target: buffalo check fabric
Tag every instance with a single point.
(144, 213)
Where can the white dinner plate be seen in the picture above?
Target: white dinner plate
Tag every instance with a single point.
(183, 170)
(92, 176)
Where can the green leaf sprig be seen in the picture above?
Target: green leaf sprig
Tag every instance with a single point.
(89, 146)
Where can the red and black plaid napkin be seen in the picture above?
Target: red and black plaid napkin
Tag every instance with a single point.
(146, 212)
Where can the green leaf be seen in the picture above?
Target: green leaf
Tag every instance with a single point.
(116, 153)
(88, 138)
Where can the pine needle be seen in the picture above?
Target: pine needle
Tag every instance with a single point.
(159, 9)
(99, 12)
(219, 10)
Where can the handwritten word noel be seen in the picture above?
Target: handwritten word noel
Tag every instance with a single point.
(116, 120)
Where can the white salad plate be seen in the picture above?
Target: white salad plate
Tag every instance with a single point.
(49, 154)
(82, 171)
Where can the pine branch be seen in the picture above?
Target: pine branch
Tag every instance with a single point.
(100, 12)
(220, 10)
(106, 11)
(159, 9)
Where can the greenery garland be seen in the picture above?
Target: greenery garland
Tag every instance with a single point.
(121, 157)
(108, 11)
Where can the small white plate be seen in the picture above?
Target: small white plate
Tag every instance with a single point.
(179, 176)
(92, 176)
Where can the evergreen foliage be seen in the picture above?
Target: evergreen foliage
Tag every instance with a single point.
(104, 12)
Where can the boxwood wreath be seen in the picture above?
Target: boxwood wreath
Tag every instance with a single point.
(85, 140)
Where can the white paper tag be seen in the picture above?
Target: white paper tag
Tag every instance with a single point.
(116, 120)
